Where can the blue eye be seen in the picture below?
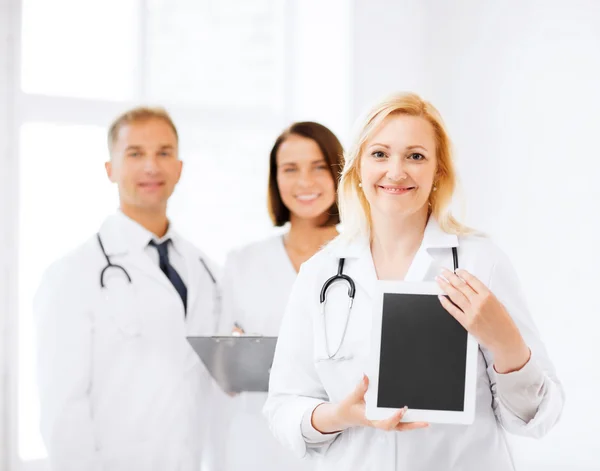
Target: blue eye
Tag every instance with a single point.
(416, 156)
(378, 154)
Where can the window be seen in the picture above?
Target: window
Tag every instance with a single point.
(61, 168)
(80, 49)
(218, 67)
(226, 53)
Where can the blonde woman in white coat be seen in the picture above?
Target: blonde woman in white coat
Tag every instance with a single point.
(395, 191)
(304, 169)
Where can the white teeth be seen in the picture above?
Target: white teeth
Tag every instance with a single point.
(397, 190)
(310, 197)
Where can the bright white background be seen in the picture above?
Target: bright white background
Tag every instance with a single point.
(517, 82)
(518, 85)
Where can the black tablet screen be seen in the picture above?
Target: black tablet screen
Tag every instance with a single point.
(423, 355)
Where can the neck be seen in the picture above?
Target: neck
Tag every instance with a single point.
(394, 238)
(154, 221)
(308, 235)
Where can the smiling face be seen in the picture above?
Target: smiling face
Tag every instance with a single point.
(145, 164)
(398, 166)
(304, 179)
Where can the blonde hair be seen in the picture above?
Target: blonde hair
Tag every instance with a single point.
(354, 207)
(136, 115)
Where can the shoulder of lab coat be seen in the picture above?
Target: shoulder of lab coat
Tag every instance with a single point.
(64, 374)
(530, 401)
(192, 251)
(230, 312)
(209, 275)
(240, 262)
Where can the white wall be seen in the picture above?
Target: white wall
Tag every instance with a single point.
(319, 63)
(518, 85)
(6, 214)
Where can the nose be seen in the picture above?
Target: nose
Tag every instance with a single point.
(151, 164)
(396, 169)
(305, 179)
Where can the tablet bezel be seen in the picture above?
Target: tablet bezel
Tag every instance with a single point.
(415, 415)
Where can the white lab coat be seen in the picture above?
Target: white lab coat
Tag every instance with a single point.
(257, 281)
(120, 387)
(528, 402)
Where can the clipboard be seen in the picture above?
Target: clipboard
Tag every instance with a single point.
(420, 357)
(237, 363)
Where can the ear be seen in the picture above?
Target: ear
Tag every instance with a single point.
(109, 170)
(179, 171)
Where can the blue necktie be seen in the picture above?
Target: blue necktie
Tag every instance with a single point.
(169, 271)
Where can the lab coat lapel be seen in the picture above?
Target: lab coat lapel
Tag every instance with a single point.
(133, 259)
(434, 238)
(420, 265)
(193, 284)
(359, 263)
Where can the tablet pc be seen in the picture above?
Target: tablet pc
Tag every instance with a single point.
(420, 357)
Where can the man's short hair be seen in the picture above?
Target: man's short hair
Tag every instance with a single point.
(136, 115)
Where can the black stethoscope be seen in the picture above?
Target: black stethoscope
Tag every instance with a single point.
(339, 276)
(110, 265)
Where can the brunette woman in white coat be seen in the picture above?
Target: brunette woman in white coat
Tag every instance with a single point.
(395, 191)
(305, 163)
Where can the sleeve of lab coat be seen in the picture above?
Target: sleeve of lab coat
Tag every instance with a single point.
(294, 387)
(527, 402)
(64, 349)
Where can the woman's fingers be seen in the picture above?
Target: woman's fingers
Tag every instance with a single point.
(391, 422)
(459, 284)
(474, 283)
(406, 426)
(360, 390)
(454, 311)
(457, 297)
(394, 423)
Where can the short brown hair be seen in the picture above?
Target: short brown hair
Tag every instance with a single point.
(140, 113)
(332, 152)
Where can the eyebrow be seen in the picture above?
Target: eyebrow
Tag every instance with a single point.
(314, 162)
(416, 147)
(139, 148)
(385, 146)
(378, 144)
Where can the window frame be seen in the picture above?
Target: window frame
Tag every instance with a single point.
(21, 108)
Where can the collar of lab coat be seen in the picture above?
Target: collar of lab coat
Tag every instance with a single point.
(362, 270)
(126, 240)
(121, 235)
